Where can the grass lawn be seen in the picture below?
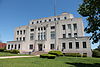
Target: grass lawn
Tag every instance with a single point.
(10, 54)
(58, 62)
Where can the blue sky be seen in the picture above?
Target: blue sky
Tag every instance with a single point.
(14, 13)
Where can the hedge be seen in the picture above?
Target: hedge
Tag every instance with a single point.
(12, 51)
(49, 56)
(73, 54)
(96, 53)
(57, 53)
(2, 49)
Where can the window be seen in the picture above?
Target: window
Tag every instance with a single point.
(69, 26)
(52, 34)
(45, 20)
(9, 46)
(69, 35)
(75, 26)
(64, 27)
(63, 46)
(52, 27)
(51, 46)
(64, 35)
(84, 45)
(32, 36)
(30, 46)
(23, 38)
(70, 45)
(17, 32)
(49, 19)
(38, 28)
(17, 39)
(65, 18)
(77, 45)
(37, 21)
(24, 31)
(31, 30)
(54, 19)
(75, 34)
(44, 28)
(58, 18)
(38, 36)
(20, 32)
(15, 46)
(42, 37)
(20, 38)
(18, 46)
(32, 22)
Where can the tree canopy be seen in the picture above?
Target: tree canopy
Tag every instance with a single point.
(91, 10)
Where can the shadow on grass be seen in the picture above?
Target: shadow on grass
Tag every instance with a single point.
(84, 64)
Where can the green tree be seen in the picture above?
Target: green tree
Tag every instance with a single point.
(91, 10)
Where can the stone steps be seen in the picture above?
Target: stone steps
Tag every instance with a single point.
(39, 53)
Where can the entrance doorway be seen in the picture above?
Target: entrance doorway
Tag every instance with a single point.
(40, 47)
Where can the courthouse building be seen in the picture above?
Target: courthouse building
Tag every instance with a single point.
(63, 32)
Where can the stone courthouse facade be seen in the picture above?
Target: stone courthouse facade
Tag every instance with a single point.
(62, 32)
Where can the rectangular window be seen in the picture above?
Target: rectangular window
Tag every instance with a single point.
(69, 35)
(31, 30)
(32, 36)
(23, 38)
(51, 46)
(84, 45)
(63, 45)
(18, 46)
(15, 46)
(69, 26)
(32, 22)
(65, 18)
(52, 34)
(24, 31)
(44, 28)
(38, 36)
(38, 28)
(42, 37)
(17, 32)
(49, 19)
(70, 45)
(54, 19)
(75, 26)
(9, 46)
(64, 35)
(64, 27)
(75, 34)
(20, 32)
(58, 18)
(77, 45)
(17, 39)
(20, 38)
(52, 27)
(30, 46)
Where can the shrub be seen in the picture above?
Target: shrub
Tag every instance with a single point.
(8, 51)
(2, 49)
(49, 56)
(73, 54)
(15, 51)
(57, 53)
(96, 53)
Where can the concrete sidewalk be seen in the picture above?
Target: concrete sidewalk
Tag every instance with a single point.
(14, 57)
